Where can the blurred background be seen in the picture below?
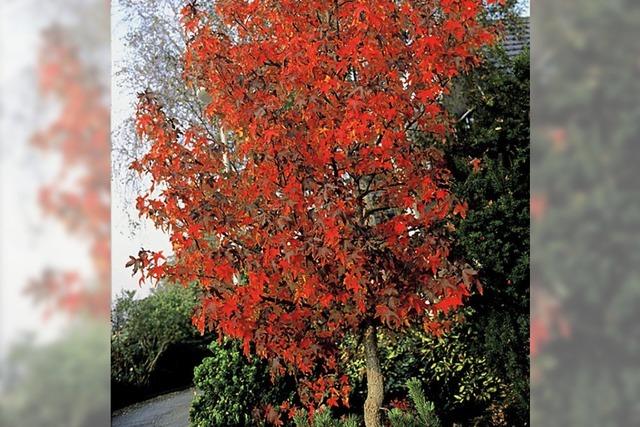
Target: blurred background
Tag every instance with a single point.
(55, 213)
(585, 209)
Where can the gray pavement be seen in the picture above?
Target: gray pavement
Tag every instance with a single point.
(168, 410)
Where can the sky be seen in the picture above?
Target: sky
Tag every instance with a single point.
(125, 240)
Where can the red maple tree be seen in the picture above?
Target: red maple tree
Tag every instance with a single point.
(317, 213)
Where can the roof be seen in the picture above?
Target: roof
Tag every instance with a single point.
(517, 37)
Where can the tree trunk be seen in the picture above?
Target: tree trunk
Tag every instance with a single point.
(375, 381)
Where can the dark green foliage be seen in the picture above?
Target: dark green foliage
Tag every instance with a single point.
(495, 233)
(232, 390)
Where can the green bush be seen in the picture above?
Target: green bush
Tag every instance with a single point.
(232, 390)
(154, 346)
(144, 329)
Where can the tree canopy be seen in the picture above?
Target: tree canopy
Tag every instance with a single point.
(317, 212)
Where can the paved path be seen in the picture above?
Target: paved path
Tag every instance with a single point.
(168, 410)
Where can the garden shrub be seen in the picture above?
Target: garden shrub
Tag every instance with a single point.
(233, 390)
(461, 383)
(154, 346)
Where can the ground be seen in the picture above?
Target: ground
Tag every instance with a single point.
(168, 410)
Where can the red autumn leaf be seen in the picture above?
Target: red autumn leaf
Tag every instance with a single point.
(475, 164)
(332, 401)
(461, 209)
(157, 256)
(399, 227)
(332, 235)
(351, 282)
(195, 231)
(224, 271)
(325, 300)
